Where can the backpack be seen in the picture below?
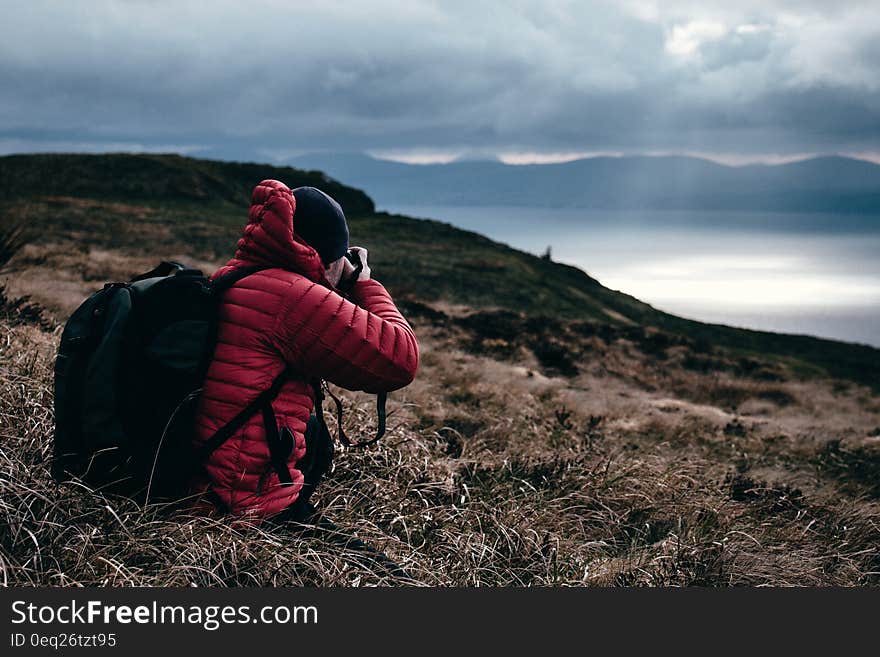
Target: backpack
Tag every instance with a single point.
(128, 375)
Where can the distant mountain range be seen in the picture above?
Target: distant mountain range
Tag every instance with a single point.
(822, 184)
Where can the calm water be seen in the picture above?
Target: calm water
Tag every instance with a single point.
(794, 273)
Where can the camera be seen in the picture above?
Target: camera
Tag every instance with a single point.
(353, 257)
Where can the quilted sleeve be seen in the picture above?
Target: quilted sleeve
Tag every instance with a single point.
(363, 344)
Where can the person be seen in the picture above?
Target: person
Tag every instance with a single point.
(292, 323)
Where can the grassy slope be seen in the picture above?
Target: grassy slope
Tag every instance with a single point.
(177, 204)
(494, 474)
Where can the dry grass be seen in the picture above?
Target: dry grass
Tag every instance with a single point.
(495, 473)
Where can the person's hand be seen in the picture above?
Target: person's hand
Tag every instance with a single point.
(365, 273)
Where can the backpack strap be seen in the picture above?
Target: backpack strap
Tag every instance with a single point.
(167, 268)
(227, 430)
(280, 444)
(222, 283)
(216, 288)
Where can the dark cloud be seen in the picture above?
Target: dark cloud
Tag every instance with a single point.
(277, 77)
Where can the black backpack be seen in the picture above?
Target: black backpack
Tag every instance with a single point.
(129, 370)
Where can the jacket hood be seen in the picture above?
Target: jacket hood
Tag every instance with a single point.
(268, 238)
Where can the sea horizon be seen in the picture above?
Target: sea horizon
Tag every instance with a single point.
(798, 273)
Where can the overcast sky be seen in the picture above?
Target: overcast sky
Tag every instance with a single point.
(529, 81)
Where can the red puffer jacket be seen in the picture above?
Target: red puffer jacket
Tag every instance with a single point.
(289, 316)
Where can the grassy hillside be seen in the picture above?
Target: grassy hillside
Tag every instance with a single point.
(166, 179)
(159, 205)
(558, 433)
(496, 474)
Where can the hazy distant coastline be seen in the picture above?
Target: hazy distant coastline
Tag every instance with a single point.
(815, 274)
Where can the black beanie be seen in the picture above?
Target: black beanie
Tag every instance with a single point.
(320, 221)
